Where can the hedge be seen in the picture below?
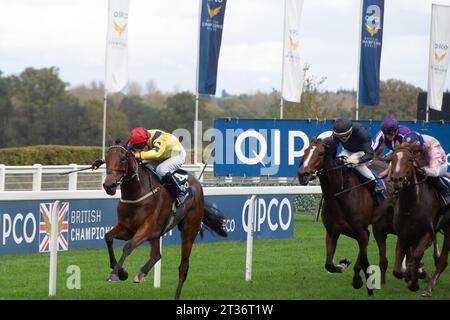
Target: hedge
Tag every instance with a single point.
(49, 155)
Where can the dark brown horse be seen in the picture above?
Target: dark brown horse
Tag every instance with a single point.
(416, 212)
(350, 212)
(145, 213)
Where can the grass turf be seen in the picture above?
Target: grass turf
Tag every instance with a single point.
(282, 269)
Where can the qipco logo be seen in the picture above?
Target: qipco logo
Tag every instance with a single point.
(441, 46)
(275, 214)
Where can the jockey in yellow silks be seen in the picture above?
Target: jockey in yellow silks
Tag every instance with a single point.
(166, 151)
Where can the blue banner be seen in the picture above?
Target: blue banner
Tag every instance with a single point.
(211, 26)
(371, 43)
(261, 148)
(25, 225)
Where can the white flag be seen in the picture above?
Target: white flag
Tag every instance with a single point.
(293, 74)
(116, 65)
(439, 55)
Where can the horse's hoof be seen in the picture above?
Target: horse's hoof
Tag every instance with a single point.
(140, 277)
(370, 292)
(413, 287)
(112, 277)
(123, 274)
(426, 293)
(357, 283)
(422, 274)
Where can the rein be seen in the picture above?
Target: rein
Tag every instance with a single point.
(416, 168)
(124, 177)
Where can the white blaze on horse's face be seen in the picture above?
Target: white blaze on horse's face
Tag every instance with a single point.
(308, 158)
(397, 165)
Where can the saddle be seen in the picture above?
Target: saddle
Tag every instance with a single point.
(378, 189)
(181, 178)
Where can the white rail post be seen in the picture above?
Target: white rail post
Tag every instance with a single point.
(250, 232)
(157, 268)
(2, 177)
(73, 178)
(37, 178)
(53, 249)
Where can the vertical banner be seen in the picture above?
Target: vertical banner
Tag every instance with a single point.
(370, 56)
(116, 64)
(211, 26)
(293, 74)
(439, 55)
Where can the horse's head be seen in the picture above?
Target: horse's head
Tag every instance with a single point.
(402, 165)
(313, 160)
(119, 164)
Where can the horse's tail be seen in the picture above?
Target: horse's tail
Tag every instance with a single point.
(214, 220)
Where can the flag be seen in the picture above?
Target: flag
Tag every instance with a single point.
(116, 65)
(211, 26)
(293, 75)
(370, 57)
(439, 55)
(45, 226)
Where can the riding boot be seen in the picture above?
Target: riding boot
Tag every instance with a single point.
(178, 194)
(378, 192)
(442, 188)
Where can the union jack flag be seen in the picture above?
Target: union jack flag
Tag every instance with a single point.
(45, 226)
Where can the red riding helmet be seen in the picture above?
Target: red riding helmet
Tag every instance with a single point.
(139, 135)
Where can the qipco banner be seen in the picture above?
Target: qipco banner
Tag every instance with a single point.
(258, 148)
(25, 225)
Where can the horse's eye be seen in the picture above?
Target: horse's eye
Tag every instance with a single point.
(123, 161)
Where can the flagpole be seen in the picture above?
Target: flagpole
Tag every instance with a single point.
(282, 62)
(427, 113)
(196, 84)
(105, 99)
(359, 59)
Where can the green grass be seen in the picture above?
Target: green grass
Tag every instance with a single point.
(282, 269)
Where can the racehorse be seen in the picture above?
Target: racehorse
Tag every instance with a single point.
(348, 208)
(416, 214)
(145, 213)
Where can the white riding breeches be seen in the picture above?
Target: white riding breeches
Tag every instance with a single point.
(171, 164)
(361, 168)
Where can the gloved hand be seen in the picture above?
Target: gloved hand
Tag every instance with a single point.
(137, 155)
(353, 160)
(97, 163)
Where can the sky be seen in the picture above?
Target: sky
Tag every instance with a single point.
(71, 35)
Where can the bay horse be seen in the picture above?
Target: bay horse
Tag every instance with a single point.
(416, 214)
(347, 208)
(144, 213)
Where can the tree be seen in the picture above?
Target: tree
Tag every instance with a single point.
(6, 111)
(397, 98)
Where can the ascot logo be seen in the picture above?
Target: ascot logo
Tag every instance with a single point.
(120, 29)
(373, 19)
(213, 12)
(441, 47)
(294, 44)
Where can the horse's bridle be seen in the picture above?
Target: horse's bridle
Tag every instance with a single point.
(405, 181)
(124, 172)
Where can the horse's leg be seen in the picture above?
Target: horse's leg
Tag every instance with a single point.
(140, 236)
(442, 264)
(436, 253)
(155, 255)
(116, 232)
(191, 227)
(331, 242)
(363, 261)
(380, 238)
(414, 263)
(399, 256)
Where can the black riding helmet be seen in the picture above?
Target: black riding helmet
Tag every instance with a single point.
(342, 128)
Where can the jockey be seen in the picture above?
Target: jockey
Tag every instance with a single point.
(357, 148)
(166, 150)
(432, 159)
(390, 136)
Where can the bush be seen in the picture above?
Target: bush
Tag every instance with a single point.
(49, 155)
